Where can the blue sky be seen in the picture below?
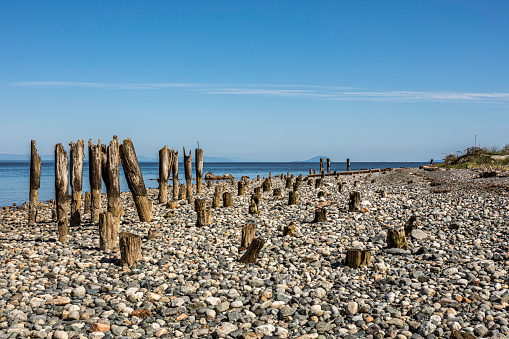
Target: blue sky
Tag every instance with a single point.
(266, 80)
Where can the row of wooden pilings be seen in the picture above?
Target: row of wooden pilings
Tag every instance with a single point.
(328, 166)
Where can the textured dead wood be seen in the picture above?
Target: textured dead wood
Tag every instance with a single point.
(319, 183)
(383, 193)
(320, 215)
(321, 194)
(248, 234)
(356, 183)
(135, 181)
(61, 191)
(111, 176)
(293, 198)
(355, 202)
(130, 248)
(76, 155)
(182, 192)
(252, 252)
(241, 187)
(188, 167)
(94, 177)
(254, 204)
(267, 184)
(152, 234)
(203, 214)
(108, 227)
(356, 258)
(288, 183)
(173, 204)
(35, 184)
(175, 169)
(277, 192)
(289, 230)
(296, 186)
(216, 200)
(411, 224)
(164, 174)
(328, 165)
(258, 191)
(348, 164)
(88, 199)
(396, 238)
(198, 154)
(321, 165)
(227, 199)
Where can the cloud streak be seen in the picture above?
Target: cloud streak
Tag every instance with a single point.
(291, 91)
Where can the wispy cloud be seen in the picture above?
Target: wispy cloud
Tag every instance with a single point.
(293, 91)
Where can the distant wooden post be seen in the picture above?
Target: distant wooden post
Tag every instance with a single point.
(348, 164)
(175, 170)
(216, 200)
(254, 204)
(94, 177)
(35, 184)
(355, 202)
(130, 248)
(108, 226)
(203, 214)
(328, 165)
(253, 251)
(198, 154)
(110, 173)
(293, 198)
(319, 183)
(248, 234)
(135, 181)
(61, 191)
(76, 155)
(288, 182)
(277, 192)
(188, 167)
(227, 199)
(164, 174)
(241, 187)
(321, 165)
(310, 171)
(340, 187)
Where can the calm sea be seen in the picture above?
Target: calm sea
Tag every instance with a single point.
(15, 175)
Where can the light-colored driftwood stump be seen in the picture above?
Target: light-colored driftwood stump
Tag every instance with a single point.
(227, 199)
(76, 155)
(188, 167)
(203, 214)
(94, 177)
(175, 178)
(248, 234)
(35, 184)
(198, 155)
(164, 174)
(276, 192)
(173, 204)
(396, 238)
(130, 248)
(152, 234)
(252, 251)
(411, 224)
(293, 198)
(241, 187)
(61, 191)
(108, 228)
(88, 199)
(289, 230)
(320, 215)
(254, 204)
(111, 176)
(135, 181)
(355, 202)
(356, 258)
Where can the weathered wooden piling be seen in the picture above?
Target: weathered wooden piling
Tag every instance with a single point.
(94, 177)
(188, 167)
(198, 155)
(248, 234)
(152, 233)
(61, 191)
(318, 183)
(411, 224)
(164, 174)
(356, 258)
(88, 198)
(267, 184)
(348, 164)
(252, 252)
(135, 181)
(108, 227)
(254, 204)
(293, 198)
(227, 199)
(328, 165)
(130, 248)
(354, 205)
(320, 215)
(175, 169)
(110, 172)
(35, 184)
(321, 165)
(241, 187)
(216, 200)
(76, 155)
(182, 192)
(396, 238)
(203, 214)
(276, 192)
(258, 191)
(288, 183)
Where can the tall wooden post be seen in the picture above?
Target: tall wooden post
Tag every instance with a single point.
(164, 174)
(321, 165)
(35, 183)
(110, 172)
(61, 191)
(175, 169)
(134, 180)
(94, 176)
(188, 167)
(328, 165)
(241, 186)
(76, 154)
(348, 164)
(198, 159)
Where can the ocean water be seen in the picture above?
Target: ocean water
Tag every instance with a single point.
(15, 175)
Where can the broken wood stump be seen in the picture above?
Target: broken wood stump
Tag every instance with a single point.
(277, 192)
(87, 207)
(227, 199)
(396, 238)
(203, 214)
(182, 193)
(216, 200)
(173, 204)
(288, 183)
(252, 252)
(152, 234)
(254, 204)
(188, 167)
(130, 248)
(258, 191)
(289, 230)
(164, 174)
(356, 258)
(411, 224)
(267, 184)
(175, 178)
(320, 215)
(108, 226)
(110, 162)
(248, 234)
(355, 202)
(321, 194)
(61, 191)
(293, 198)
(35, 184)
(319, 183)
(241, 186)
(198, 163)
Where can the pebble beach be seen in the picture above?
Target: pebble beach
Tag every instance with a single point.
(451, 281)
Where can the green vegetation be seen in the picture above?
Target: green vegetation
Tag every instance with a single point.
(475, 157)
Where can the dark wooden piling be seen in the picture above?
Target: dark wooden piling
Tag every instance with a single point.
(108, 226)
(130, 248)
(198, 154)
(276, 192)
(188, 167)
(293, 198)
(241, 187)
(328, 165)
(348, 164)
(251, 254)
(356, 258)
(216, 200)
(320, 215)
(321, 165)
(288, 183)
(254, 204)
(35, 184)
(76, 155)
(267, 184)
(175, 169)
(94, 177)
(248, 234)
(111, 176)
(355, 202)
(411, 224)
(203, 214)
(227, 199)
(61, 191)
(318, 183)
(135, 181)
(289, 230)
(182, 192)
(152, 234)
(88, 199)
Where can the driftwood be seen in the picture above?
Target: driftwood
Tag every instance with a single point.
(252, 251)
(356, 258)
(110, 172)
(94, 176)
(198, 154)
(135, 181)
(175, 169)
(254, 204)
(108, 226)
(188, 167)
(76, 155)
(396, 238)
(293, 198)
(248, 234)
(210, 176)
(355, 202)
(130, 248)
(61, 191)
(35, 184)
